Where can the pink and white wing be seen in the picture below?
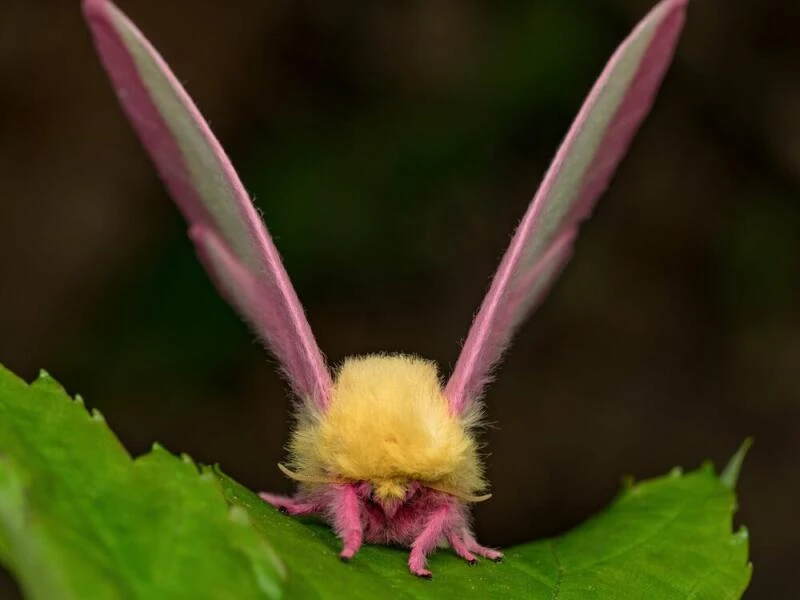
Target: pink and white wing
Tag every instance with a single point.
(225, 226)
(580, 172)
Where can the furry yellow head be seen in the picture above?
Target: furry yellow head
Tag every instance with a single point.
(389, 423)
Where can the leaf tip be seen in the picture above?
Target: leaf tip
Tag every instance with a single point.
(730, 474)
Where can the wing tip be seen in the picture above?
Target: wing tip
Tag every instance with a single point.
(667, 17)
(103, 15)
(103, 18)
(670, 5)
(672, 9)
(96, 9)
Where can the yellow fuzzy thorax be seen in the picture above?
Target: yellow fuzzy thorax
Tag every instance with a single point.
(388, 423)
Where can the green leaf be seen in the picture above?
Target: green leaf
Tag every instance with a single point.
(660, 539)
(80, 519)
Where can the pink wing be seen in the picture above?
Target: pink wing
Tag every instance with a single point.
(236, 247)
(580, 172)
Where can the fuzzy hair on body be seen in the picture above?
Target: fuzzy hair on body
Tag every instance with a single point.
(382, 451)
(387, 462)
(388, 422)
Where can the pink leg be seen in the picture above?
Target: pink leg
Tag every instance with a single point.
(489, 553)
(292, 506)
(347, 520)
(460, 548)
(426, 542)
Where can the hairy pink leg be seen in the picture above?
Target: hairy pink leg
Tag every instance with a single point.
(460, 547)
(346, 511)
(489, 553)
(292, 506)
(426, 542)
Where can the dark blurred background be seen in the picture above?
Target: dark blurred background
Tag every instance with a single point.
(393, 146)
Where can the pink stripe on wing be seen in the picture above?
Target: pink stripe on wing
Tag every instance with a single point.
(517, 299)
(143, 114)
(561, 203)
(208, 192)
(634, 108)
(246, 292)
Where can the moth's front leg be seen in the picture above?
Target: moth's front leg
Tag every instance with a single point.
(459, 545)
(297, 507)
(346, 516)
(428, 539)
(475, 547)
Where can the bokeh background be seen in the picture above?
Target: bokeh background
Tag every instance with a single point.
(392, 147)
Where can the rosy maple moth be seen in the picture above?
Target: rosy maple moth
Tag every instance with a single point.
(382, 450)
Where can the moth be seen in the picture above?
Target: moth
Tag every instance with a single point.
(382, 450)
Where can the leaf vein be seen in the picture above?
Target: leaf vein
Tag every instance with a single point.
(559, 567)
